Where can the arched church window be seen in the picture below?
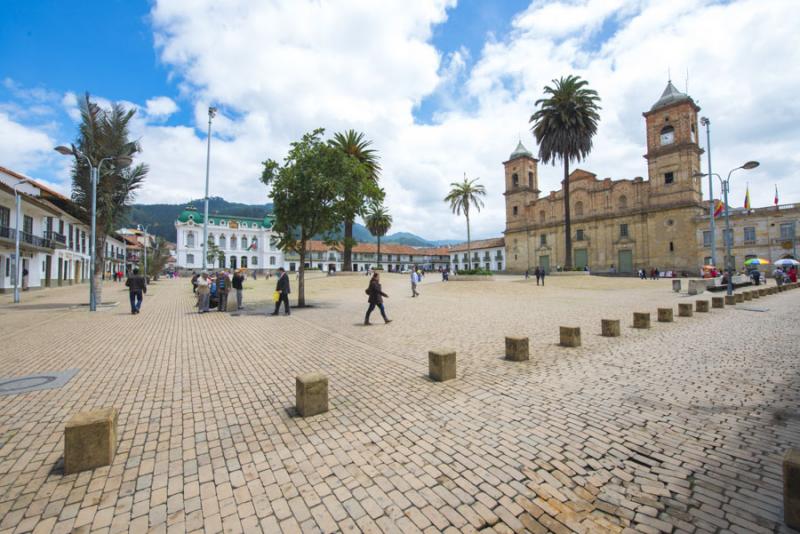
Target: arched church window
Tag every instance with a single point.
(579, 209)
(211, 239)
(233, 242)
(222, 242)
(515, 180)
(623, 202)
(190, 239)
(667, 135)
(530, 179)
(244, 242)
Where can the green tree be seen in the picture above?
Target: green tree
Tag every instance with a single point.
(358, 189)
(215, 253)
(104, 133)
(564, 126)
(157, 257)
(461, 196)
(306, 192)
(378, 223)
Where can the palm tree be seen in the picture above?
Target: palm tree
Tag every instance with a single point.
(564, 126)
(104, 133)
(355, 144)
(461, 196)
(378, 223)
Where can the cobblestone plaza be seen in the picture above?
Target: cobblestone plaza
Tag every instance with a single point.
(678, 428)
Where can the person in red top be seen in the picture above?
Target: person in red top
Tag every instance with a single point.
(793, 274)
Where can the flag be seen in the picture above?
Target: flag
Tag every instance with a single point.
(747, 198)
(252, 246)
(718, 206)
(776, 194)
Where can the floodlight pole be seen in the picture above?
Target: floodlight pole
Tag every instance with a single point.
(211, 112)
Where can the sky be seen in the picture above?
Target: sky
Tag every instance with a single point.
(443, 88)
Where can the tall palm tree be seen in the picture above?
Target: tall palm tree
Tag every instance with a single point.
(378, 223)
(564, 126)
(461, 196)
(356, 145)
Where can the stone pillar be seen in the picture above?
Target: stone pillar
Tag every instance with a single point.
(665, 315)
(442, 365)
(739, 298)
(748, 295)
(311, 394)
(717, 302)
(570, 336)
(517, 349)
(90, 440)
(676, 286)
(609, 327)
(685, 309)
(701, 306)
(730, 300)
(791, 488)
(641, 320)
(762, 292)
(755, 293)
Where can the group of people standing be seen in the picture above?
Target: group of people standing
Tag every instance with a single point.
(653, 274)
(539, 273)
(213, 290)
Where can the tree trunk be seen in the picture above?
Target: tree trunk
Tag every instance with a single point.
(469, 243)
(348, 246)
(301, 278)
(379, 252)
(567, 221)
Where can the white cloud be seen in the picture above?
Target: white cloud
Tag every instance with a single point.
(160, 107)
(23, 148)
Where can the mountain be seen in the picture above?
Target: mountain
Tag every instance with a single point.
(160, 220)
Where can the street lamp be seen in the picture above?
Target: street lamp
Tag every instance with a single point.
(212, 111)
(144, 229)
(728, 237)
(707, 123)
(94, 170)
(17, 259)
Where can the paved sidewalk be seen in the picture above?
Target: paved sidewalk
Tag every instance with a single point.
(680, 428)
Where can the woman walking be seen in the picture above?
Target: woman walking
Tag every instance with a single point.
(376, 296)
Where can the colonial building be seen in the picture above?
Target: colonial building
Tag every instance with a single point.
(489, 254)
(620, 224)
(394, 258)
(244, 242)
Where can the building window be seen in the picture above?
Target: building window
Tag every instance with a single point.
(254, 260)
(579, 209)
(5, 217)
(233, 242)
(707, 238)
(530, 179)
(190, 240)
(211, 240)
(27, 224)
(623, 230)
(244, 242)
(669, 177)
(222, 242)
(749, 234)
(190, 259)
(727, 237)
(83, 242)
(623, 202)
(667, 135)
(707, 260)
(272, 260)
(579, 235)
(515, 180)
(543, 240)
(254, 244)
(671, 246)
(787, 230)
(514, 210)
(541, 216)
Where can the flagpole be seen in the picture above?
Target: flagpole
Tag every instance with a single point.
(711, 208)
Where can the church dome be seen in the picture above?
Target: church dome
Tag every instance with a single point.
(190, 213)
(670, 96)
(520, 152)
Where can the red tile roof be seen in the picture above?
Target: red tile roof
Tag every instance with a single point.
(479, 244)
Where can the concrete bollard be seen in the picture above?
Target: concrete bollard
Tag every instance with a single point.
(442, 365)
(311, 394)
(610, 327)
(697, 286)
(90, 440)
(570, 336)
(791, 488)
(665, 315)
(641, 320)
(701, 306)
(762, 292)
(717, 302)
(676, 286)
(754, 294)
(730, 300)
(517, 349)
(739, 298)
(685, 309)
(748, 295)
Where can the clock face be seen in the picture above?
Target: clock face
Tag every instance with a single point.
(667, 138)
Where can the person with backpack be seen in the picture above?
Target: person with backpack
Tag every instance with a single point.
(376, 296)
(137, 287)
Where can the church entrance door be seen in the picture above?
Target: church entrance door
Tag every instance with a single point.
(626, 261)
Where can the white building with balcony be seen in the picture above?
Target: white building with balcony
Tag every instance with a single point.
(487, 254)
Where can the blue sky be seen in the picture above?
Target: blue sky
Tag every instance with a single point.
(442, 88)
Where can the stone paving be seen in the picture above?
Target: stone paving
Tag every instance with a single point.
(679, 428)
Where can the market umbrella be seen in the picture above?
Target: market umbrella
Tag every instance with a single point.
(756, 261)
(786, 262)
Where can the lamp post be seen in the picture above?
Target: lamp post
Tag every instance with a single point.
(144, 229)
(94, 170)
(17, 259)
(212, 111)
(728, 237)
(707, 123)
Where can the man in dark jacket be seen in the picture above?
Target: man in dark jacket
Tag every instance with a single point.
(137, 287)
(376, 296)
(282, 287)
(237, 281)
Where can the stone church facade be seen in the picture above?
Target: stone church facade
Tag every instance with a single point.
(624, 224)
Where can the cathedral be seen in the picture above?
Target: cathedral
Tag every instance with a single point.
(617, 225)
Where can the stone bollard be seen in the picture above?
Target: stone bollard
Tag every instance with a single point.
(676, 286)
(442, 365)
(697, 286)
(762, 292)
(739, 297)
(685, 309)
(717, 302)
(609, 327)
(730, 300)
(517, 349)
(748, 295)
(665, 315)
(90, 440)
(570, 336)
(791, 488)
(701, 306)
(641, 320)
(311, 394)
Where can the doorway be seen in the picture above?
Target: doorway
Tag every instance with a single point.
(244, 262)
(233, 262)
(544, 263)
(625, 261)
(581, 258)
(48, 267)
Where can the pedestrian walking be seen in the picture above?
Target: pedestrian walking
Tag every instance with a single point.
(527, 273)
(541, 274)
(414, 282)
(375, 299)
(137, 287)
(538, 274)
(203, 293)
(223, 289)
(283, 289)
(238, 278)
